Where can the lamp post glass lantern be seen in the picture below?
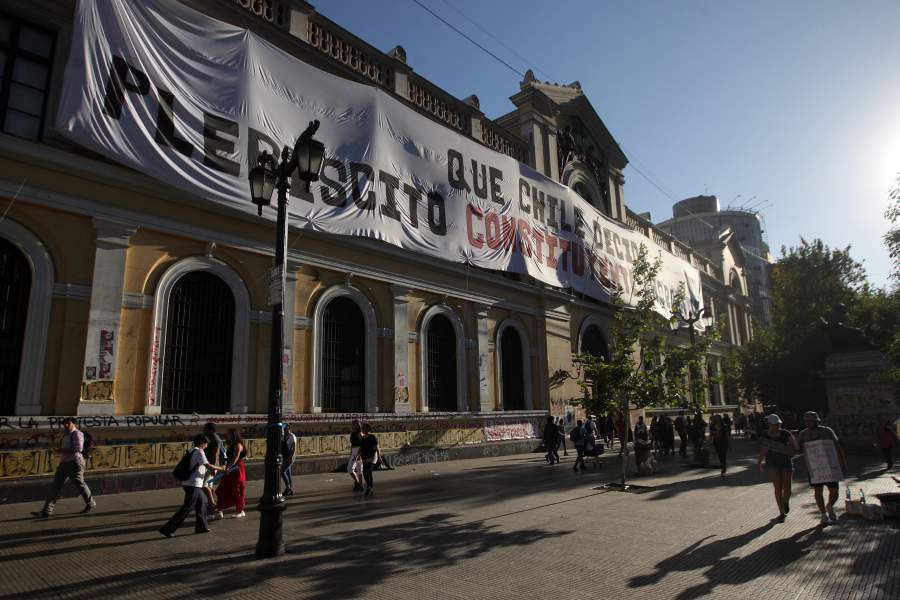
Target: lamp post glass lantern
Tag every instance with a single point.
(265, 177)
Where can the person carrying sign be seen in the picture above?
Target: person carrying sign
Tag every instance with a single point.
(777, 446)
(825, 463)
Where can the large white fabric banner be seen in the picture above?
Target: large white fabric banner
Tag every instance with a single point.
(191, 101)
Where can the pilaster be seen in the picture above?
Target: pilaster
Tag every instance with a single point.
(485, 371)
(100, 353)
(401, 349)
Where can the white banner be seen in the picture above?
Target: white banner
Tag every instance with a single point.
(190, 101)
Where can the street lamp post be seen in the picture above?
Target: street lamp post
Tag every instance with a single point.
(306, 160)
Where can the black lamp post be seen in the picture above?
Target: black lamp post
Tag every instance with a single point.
(306, 160)
(693, 317)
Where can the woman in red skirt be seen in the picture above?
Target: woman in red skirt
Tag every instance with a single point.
(233, 489)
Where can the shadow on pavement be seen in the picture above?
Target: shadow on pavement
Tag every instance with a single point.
(335, 567)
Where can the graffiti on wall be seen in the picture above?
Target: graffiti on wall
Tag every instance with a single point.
(106, 354)
(499, 431)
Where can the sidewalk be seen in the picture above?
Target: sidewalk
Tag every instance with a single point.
(506, 527)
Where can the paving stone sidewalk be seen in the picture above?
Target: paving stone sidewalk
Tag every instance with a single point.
(508, 527)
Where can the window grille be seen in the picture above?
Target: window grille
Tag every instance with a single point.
(199, 339)
(441, 365)
(343, 357)
(511, 370)
(15, 285)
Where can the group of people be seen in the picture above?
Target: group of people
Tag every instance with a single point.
(778, 448)
(217, 481)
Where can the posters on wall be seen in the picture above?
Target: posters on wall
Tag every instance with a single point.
(192, 101)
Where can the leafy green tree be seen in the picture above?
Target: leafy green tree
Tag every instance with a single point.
(892, 237)
(642, 370)
(781, 366)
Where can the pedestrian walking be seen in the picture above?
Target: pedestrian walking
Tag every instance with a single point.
(681, 426)
(354, 465)
(886, 440)
(233, 488)
(370, 455)
(288, 454)
(578, 435)
(551, 440)
(194, 497)
(71, 467)
(814, 432)
(215, 455)
(720, 432)
(777, 447)
(610, 429)
(669, 435)
(561, 426)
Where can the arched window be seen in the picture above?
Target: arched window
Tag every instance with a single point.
(15, 285)
(593, 342)
(199, 341)
(441, 365)
(343, 356)
(513, 392)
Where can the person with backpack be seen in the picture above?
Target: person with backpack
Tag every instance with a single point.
(354, 465)
(73, 450)
(288, 454)
(578, 435)
(191, 471)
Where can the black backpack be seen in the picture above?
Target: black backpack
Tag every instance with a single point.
(183, 470)
(88, 445)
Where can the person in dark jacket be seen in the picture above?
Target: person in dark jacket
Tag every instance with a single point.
(551, 440)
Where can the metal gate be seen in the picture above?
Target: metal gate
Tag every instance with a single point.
(15, 286)
(511, 371)
(343, 357)
(441, 365)
(199, 339)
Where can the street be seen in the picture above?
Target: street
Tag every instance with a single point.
(508, 527)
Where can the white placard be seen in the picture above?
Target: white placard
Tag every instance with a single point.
(822, 461)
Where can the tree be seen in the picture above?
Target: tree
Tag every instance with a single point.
(781, 365)
(892, 237)
(640, 370)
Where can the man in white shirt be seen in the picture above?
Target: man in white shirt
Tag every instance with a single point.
(194, 497)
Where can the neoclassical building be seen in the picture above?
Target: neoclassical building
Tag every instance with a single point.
(120, 295)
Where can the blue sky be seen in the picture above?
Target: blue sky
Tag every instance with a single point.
(795, 103)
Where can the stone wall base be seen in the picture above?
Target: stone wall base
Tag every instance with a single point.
(33, 489)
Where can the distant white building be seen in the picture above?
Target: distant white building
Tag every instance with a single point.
(699, 220)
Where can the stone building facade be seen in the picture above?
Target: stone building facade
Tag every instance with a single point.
(117, 289)
(699, 221)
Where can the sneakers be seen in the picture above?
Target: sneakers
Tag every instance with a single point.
(824, 520)
(41, 514)
(288, 492)
(89, 507)
(369, 491)
(218, 515)
(239, 515)
(781, 518)
(831, 516)
(166, 533)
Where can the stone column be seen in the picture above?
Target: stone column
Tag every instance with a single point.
(100, 353)
(538, 143)
(554, 154)
(401, 350)
(485, 372)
